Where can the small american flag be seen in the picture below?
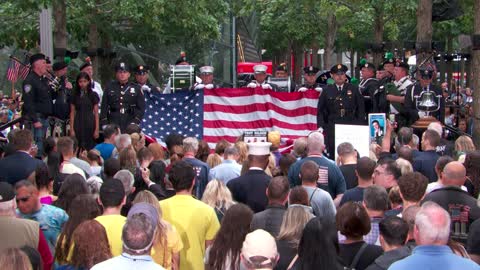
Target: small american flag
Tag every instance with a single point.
(226, 113)
(12, 70)
(24, 70)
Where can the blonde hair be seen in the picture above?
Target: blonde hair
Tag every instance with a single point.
(128, 159)
(242, 151)
(214, 160)
(271, 165)
(294, 221)
(404, 165)
(217, 195)
(14, 259)
(146, 196)
(464, 144)
(136, 139)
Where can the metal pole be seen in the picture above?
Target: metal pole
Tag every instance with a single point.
(234, 49)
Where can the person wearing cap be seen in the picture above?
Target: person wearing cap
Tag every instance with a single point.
(61, 97)
(112, 198)
(281, 72)
(389, 67)
(142, 73)
(138, 236)
(206, 75)
(250, 188)
(424, 83)
(88, 68)
(340, 103)
(259, 251)
(310, 76)
(19, 232)
(123, 102)
(260, 75)
(368, 85)
(396, 95)
(194, 220)
(37, 99)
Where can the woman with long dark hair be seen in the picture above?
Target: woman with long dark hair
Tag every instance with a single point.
(91, 246)
(318, 247)
(73, 185)
(84, 112)
(84, 207)
(472, 165)
(225, 251)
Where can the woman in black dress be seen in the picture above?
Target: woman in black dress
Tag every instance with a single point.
(84, 113)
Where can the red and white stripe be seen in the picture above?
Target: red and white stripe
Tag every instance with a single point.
(230, 112)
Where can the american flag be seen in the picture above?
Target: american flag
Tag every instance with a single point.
(12, 70)
(24, 70)
(225, 113)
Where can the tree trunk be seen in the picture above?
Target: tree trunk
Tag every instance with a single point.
(424, 30)
(476, 78)
(352, 62)
(450, 63)
(378, 30)
(92, 47)
(330, 36)
(60, 27)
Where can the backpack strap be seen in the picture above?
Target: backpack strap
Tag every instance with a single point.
(311, 196)
(292, 262)
(358, 255)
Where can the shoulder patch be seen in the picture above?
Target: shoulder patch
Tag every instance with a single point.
(27, 88)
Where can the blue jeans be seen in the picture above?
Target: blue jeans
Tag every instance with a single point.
(39, 135)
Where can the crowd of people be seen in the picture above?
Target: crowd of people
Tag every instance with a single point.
(130, 203)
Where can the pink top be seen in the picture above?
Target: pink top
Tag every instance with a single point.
(46, 200)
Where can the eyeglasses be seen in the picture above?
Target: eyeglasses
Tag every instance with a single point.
(24, 199)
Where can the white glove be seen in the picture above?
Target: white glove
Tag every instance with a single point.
(199, 86)
(209, 86)
(302, 89)
(252, 85)
(421, 114)
(318, 89)
(145, 88)
(266, 86)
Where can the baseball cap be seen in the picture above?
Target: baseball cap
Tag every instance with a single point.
(6, 192)
(260, 243)
(146, 209)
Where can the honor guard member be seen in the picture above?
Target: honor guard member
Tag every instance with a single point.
(141, 78)
(123, 102)
(61, 97)
(389, 70)
(340, 103)
(88, 68)
(310, 76)
(37, 99)
(368, 85)
(424, 83)
(396, 93)
(260, 75)
(206, 75)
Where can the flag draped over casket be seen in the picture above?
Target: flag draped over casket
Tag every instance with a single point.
(225, 113)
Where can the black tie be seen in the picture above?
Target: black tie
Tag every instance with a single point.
(339, 89)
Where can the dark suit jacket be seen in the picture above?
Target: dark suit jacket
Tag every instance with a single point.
(17, 166)
(250, 189)
(269, 220)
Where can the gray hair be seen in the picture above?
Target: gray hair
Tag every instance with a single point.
(138, 234)
(345, 148)
(433, 224)
(415, 140)
(123, 141)
(231, 151)
(437, 127)
(375, 198)
(190, 144)
(127, 179)
(315, 142)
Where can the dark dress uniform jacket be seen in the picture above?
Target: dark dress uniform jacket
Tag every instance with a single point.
(345, 107)
(122, 104)
(367, 88)
(250, 189)
(37, 98)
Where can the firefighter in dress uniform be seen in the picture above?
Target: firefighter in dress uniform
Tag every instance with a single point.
(310, 76)
(206, 75)
(260, 75)
(123, 102)
(339, 103)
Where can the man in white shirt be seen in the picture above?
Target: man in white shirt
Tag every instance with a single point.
(65, 146)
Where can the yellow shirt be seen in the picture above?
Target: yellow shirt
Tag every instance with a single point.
(113, 225)
(174, 245)
(196, 222)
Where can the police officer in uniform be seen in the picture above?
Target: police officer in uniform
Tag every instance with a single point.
(260, 75)
(340, 103)
(310, 76)
(424, 83)
(368, 85)
(141, 78)
(206, 75)
(123, 102)
(37, 99)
